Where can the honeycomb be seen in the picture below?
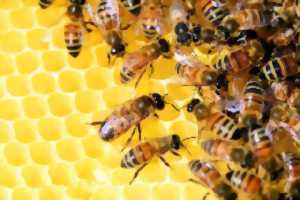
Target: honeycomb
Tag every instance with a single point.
(46, 99)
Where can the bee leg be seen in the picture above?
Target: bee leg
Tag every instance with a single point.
(129, 140)
(164, 161)
(139, 79)
(175, 153)
(194, 181)
(139, 131)
(96, 123)
(156, 115)
(86, 23)
(125, 27)
(108, 58)
(205, 196)
(137, 172)
(152, 70)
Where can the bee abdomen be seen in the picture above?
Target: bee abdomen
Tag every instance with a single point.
(45, 3)
(129, 160)
(133, 6)
(73, 36)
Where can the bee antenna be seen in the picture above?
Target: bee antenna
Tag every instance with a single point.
(188, 138)
(183, 146)
(173, 106)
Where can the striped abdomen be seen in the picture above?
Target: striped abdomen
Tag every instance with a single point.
(140, 154)
(133, 6)
(213, 11)
(73, 38)
(236, 62)
(151, 20)
(261, 144)
(244, 181)
(279, 69)
(253, 100)
(223, 126)
(45, 3)
(218, 148)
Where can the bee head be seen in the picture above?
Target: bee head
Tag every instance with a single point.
(75, 12)
(191, 105)
(184, 38)
(181, 28)
(164, 46)
(158, 101)
(175, 142)
(209, 77)
(79, 2)
(196, 33)
(231, 25)
(118, 49)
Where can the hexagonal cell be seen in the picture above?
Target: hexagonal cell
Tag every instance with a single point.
(5, 134)
(70, 81)
(22, 17)
(76, 125)
(101, 53)
(180, 172)
(117, 95)
(184, 128)
(99, 78)
(23, 193)
(15, 154)
(50, 16)
(178, 92)
(107, 193)
(156, 171)
(51, 192)
(29, 2)
(61, 174)
(10, 109)
(27, 62)
(25, 130)
(86, 168)
(166, 68)
(79, 190)
(16, 42)
(122, 176)
(83, 61)
(34, 106)
(92, 146)
(34, 176)
(38, 39)
(6, 65)
(88, 101)
(4, 23)
(136, 191)
(50, 128)
(60, 104)
(43, 83)
(53, 60)
(18, 85)
(58, 37)
(194, 192)
(69, 149)
(42, 153)
(8, 176)
(166, 191)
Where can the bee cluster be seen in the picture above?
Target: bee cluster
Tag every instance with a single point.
(255, 85)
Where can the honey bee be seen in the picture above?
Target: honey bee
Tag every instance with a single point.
(179, 17)
(210, 177)
(279, 68)
(45, 3)
(282, 118)
(240, 59)
(245, 181)
(151, 19)
(135, 63)
(248, 19)
(292, 165)
(133, 6)
(217, 122)
(195, 73)
(225, 150)
(107, 19)
(252, 104)
(213, 10)
(130, 114)
(73, 30)
(262, 147)
(142, 154)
